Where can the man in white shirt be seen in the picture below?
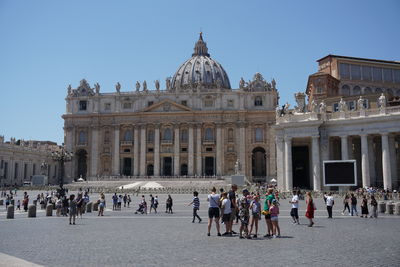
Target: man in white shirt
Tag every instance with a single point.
(329, 204)
(295, 207)
(226, 212)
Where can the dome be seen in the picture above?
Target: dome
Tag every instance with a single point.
(200, 71)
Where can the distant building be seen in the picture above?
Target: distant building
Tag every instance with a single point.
(197, 125)
(352, 112)
(20, 160)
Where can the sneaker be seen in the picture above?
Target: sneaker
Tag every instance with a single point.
(278, 236)
(233, 232)
(267, 235)
(241, 237)
(208, 234)
(255, 236)
(200, 221)
(248, 237)
(219, 234)
(342, 213)
(225, 234)
(274, 236)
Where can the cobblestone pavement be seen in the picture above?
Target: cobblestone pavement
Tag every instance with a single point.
(125, 239)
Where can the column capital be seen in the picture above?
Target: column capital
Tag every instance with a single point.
(176, 125)
(242, 124)
(279, 138)
(288, 138)
(384, 134)
(315, 137)
(116, 126)
(157, 125)
(219, 124)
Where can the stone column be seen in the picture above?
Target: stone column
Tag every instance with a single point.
(387, 178)
(316, 163)
(190, 152)
(393, 158)
(69, 146)
(219, 152)
(176, 151)
(366, 179)
(142, 167)
(115, 159)
(280, 166)
(371, 158)
(136, 163)
(157, 150)
(345, 147)
(288, 164)
(242, 147)
(199, 169)
(94, 157)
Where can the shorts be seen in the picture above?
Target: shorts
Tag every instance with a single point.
(244, 219)
(294, 213)
(256, 215)
(226, 217)
(268, 217)
(233, 215)
(274, 219)
(213, 213)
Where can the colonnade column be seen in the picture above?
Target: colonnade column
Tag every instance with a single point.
(198, 151)
(136, 142)
(345, 147)
(279, 163)
(387, 178)
(157, 150)
(142, 150)
(288, 164)
(69, 146)
(393, 158)
(371, 158)
(242, 147)
(190, 152)
(219, 152)
(115, 161)
(176, 150)
(94, 152)
(316, 163)
(366, 179)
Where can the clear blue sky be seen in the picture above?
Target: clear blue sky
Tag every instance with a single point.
(46, 45)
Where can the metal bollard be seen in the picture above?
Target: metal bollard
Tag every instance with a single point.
(381, 207)
(1, 202)
(32, 211)
(49, 210)
(10, 212)
(397, 208)
(95, 206)
(89, 207)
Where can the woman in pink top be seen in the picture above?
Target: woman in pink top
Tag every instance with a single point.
(274, 211)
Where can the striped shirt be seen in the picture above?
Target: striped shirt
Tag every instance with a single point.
(196, 203)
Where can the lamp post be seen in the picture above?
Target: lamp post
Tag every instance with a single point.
(61, 157)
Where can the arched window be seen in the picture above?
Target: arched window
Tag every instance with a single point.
(167, 134)
(106, 137)
(230, 135)
(356, 90)
(150, 136)
(82, 138)
(209, 134)
(378, 90)
(184, 136)
(128, 135)
(258, 101)
(259, 135)
(389, 91)
(367, 91)
(345, 90)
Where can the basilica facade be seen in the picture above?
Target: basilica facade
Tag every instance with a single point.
(197, 125)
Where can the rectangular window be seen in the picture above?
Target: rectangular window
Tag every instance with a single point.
(127, 105)
(344, 71)
(335, 107)
(184, 103)
(259, 135)
(387, 75)
(208, 103)
(15, 170)
(82, 105)
(230, 103)
(351, 105)
(355, 72)
(150, 103)
(366, 73)
(184, 149)
(107, 106)
(377, 74)
(209, 149)
(396, 75)
(150, 149)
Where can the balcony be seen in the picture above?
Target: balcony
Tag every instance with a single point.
(166, 142)
(126, 143)
(208, 142)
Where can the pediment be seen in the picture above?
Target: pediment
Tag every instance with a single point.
(167, 105)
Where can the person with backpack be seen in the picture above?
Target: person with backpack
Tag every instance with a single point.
(353, 201)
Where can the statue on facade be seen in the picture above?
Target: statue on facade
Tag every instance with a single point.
(273, 84)
(97, 87)
(144, 86)
(43, 168)
(278, 111)
(242, 83)
(118, 87)
(301, 102)
(237, 166)
(219, 83)
(382, 101)
(314, 106)
(157, 85)
(137, 86)
(360, 103)
(286, 108)
(342, 105)
(168, 83)
(69, 88)
(322, 107)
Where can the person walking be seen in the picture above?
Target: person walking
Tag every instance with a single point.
(346, 204)
(151, 203)
(213, 210)
(353, 201)
(18, 204)
(294, 212)
(329, 204)
(72, 209)
(310, 208)
(169, 204)
(274, 211)
(129, 200)
(79, 205)
(115, 201)
(155, 204)
(364, 207)
(125, 200)
(196, 206)
(102, 204)
(374, 207)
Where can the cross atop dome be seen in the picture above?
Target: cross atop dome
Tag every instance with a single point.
(200, 48)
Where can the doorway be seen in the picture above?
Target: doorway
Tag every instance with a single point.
(167, 166)
(209, 166)
(259, 169)
(82, 164)
(301, 163)
(127, 167)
